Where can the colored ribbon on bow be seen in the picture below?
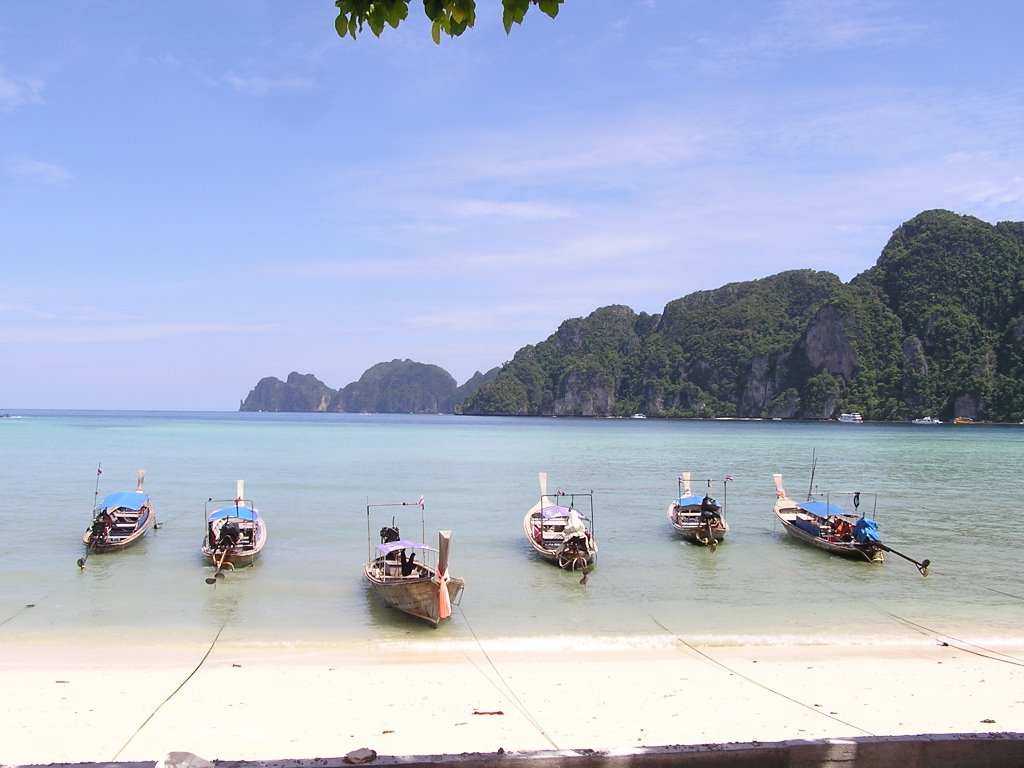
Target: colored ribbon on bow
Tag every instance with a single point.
(444, 600)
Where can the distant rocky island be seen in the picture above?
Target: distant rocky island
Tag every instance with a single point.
(935, 327)
(400, 386)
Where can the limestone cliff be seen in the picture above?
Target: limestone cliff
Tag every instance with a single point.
(300, 393)
(935, 327)
(399, 386)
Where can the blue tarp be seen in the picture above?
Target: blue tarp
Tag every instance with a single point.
(866, 531)
(240, 511)
(126, 499)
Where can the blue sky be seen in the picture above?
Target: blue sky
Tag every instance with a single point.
(195, 195)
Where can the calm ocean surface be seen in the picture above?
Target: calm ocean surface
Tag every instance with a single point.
(951, 494)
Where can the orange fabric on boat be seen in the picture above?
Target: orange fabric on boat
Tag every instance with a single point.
(444, 601)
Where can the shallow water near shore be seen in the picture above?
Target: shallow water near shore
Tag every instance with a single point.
(950, 494)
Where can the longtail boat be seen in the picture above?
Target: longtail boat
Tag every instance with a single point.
(410, 575)
(560, 528)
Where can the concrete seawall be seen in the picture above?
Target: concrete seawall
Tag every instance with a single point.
(991, 750)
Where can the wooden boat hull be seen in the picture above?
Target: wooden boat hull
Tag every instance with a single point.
(243, 554)
(687, 523)
(235, 533)
(120, 536)
(235, 558)
(238, 557)
(787, 513)
(417, 596)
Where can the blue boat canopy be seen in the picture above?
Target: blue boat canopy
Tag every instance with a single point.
(689, 501)
(823, 508)
(241, 512)
(125, 499)
(394, 546)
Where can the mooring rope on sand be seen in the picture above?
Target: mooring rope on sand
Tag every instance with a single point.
(180, 686)
(508, 692)
(761, 685)
(955, 642)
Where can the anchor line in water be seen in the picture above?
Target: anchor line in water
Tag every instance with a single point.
(175, 691)
(986, 587)
(508, 692)
(21, 610)
(960, 645)
(932, 571)
(760, 685)
(1000, 592)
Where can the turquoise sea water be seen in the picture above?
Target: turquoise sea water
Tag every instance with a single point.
(950, 494)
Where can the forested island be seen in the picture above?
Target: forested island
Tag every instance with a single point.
(935, 327)
(399, 386)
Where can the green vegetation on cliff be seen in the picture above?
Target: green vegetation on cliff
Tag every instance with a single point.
(935, 327)
(300, 393)
(956, 284)
(578, 371)
(400, 386)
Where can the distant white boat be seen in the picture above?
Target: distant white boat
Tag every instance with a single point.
(927, 420)
(851, 418)
(639, 416)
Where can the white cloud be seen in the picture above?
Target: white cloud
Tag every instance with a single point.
(22, 309)
(525, 211)
(258, 85)
(823, 25)
(16, 92)
(768, 34)
(103, 334)
(986, 194)
(38, 171)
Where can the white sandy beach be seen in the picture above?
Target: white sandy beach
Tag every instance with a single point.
(73, 704)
